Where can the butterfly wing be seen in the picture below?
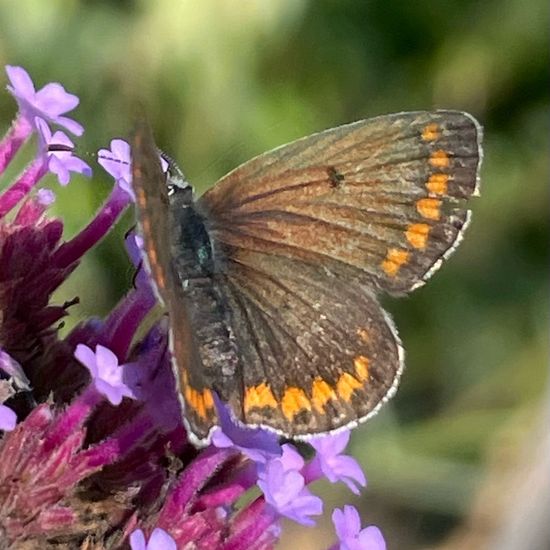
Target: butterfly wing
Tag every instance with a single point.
(305, 235)
(383, 196)
(156, 222)
(317, 352)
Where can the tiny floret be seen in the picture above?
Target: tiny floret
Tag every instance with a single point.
(8, 419)
(159, 540)
(107, 374)
(284, 488)
(117, 162)
(336, 466)
(348, 529)
(50, 102)
(60, 162)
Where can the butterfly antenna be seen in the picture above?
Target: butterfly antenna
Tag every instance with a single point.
(112, 159)
(55, 147)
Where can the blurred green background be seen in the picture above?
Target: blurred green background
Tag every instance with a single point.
(223, 80)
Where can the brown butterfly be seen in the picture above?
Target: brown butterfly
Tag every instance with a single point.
(271, 278)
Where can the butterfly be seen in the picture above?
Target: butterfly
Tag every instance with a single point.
(271, 278)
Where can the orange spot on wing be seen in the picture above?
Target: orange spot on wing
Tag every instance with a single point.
(417, 234)
(160, 282)
(200, 408)
(346, 385)
(431, 132)
(439, 159)
(208, 399)
(437, 184)
(361, 367)
(199, 402)
(191, 397)
(184, 377)
(294, 400)
(321, 393)
(140, 196)
(429, 208)
(395, 258)
(258, 397)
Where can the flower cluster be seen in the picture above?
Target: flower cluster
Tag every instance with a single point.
(93, 452)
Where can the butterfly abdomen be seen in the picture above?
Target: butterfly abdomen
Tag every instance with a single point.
(208, 311)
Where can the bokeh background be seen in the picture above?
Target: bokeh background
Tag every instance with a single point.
(460, 458)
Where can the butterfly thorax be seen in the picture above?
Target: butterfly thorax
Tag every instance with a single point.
(191, 244)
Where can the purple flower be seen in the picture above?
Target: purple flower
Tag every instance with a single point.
(145, 474)
(117, 162)
(332, 464)
(257, 444)
(28, 245)
(48, 103)
(350, 534)
(61, 163)
(13, 369)
(151, 376)
(134, 247)
(8, 419)
(107, 374)
(284, 488)
(45, 197)
(159, 540)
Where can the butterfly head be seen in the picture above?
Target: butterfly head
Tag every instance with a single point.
(175, 178)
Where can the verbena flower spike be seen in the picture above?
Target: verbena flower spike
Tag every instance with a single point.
(93, 452)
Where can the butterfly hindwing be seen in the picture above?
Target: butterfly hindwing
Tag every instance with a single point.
(318, 352)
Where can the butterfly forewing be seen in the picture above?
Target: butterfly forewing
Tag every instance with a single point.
(158, 227)
(383, 195)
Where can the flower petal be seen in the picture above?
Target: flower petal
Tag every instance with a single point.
(331, 444)
(8, 419)
(22, 84)
(161, 540)
(106, 359)
(54, 100)
(87, 357)
(137, 540)
(371, 538)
